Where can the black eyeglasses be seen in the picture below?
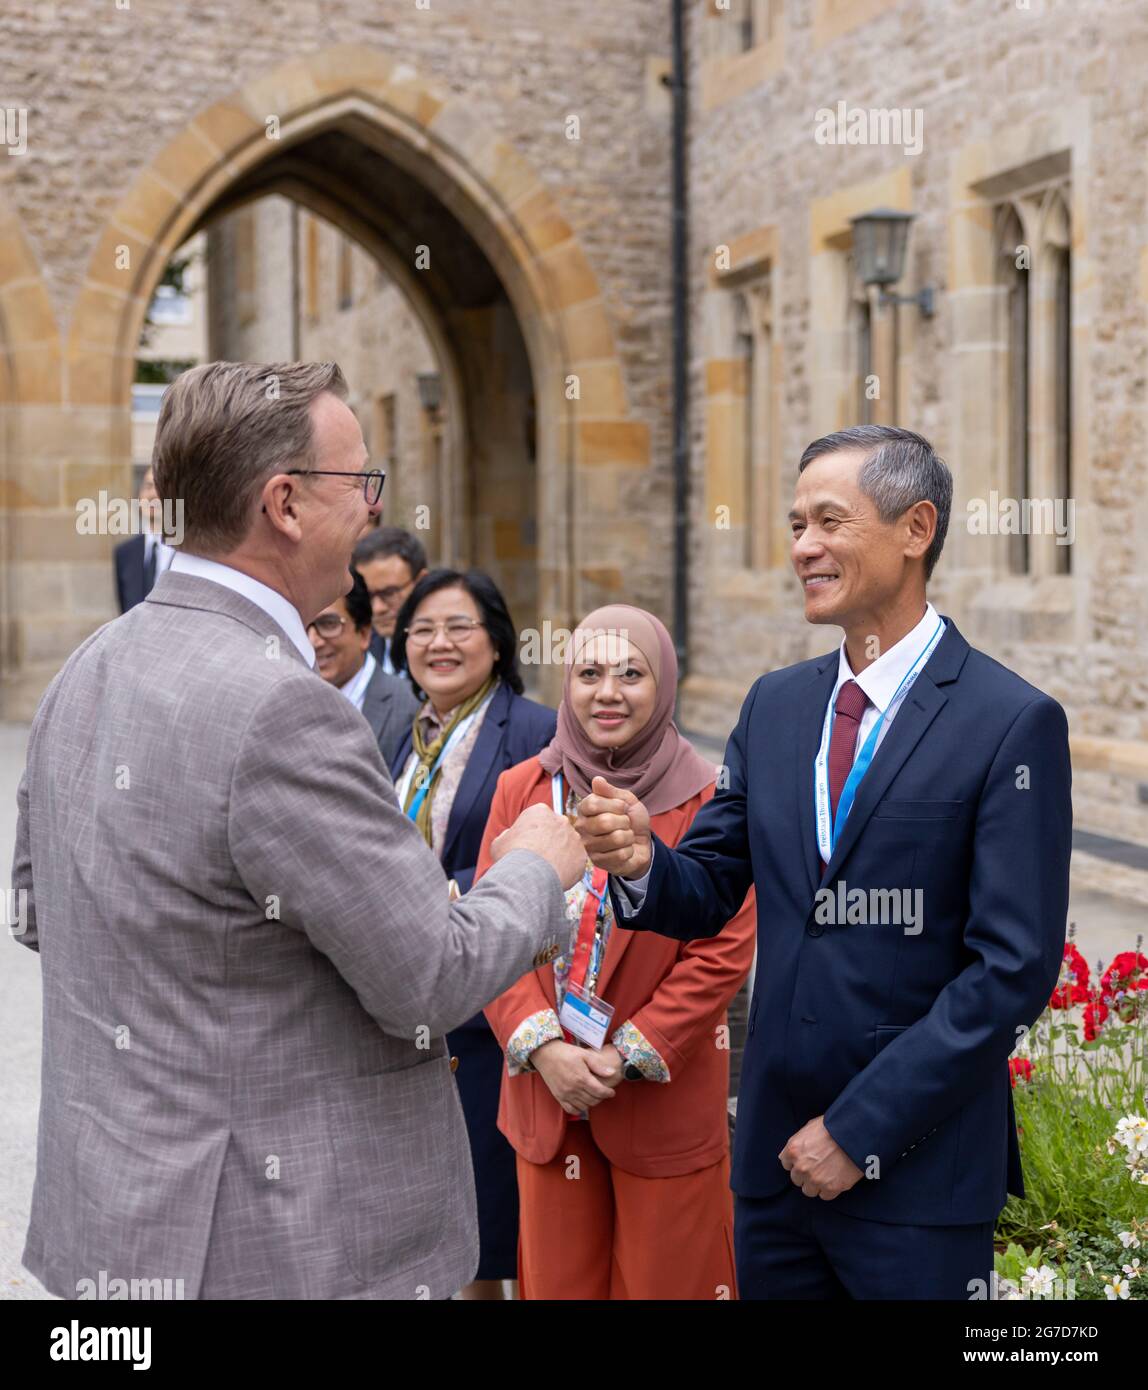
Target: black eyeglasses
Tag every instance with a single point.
(372, 481)
(327, 625)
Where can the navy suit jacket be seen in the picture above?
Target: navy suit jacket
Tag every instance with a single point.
(513, 729)
(899, 1040)
(129, 556)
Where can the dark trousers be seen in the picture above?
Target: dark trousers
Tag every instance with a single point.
(793, 1246)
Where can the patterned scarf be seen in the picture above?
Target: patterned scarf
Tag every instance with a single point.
(427, 754)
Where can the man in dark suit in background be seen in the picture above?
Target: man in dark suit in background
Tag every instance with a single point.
(341, 634)
(902, 807)
(392, 561)
(142, 559)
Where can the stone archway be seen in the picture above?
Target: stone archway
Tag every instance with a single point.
(479, 178)
(33, 430)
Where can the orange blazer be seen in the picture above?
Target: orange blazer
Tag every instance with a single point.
(675, 992)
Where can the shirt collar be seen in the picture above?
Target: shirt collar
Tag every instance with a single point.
(433, 723)
(356, 687)
(882, 678)
(279, 609)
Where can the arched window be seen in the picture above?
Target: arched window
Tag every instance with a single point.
(1033, 251)
(1013, 259)
(1057, 243)
(753, 350)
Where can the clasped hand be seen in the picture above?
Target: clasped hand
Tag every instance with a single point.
(615, 829)
(817, 1164)
(578, 1077)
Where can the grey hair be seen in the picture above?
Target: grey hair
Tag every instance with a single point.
(224, 428)
(900, 469)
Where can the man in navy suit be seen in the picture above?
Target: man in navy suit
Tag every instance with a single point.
(142, 559)
(902, 807)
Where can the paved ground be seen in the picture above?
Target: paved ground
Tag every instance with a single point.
(1105, 925)
(20, 1074)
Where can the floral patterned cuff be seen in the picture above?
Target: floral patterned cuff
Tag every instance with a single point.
(638, 1051)
(531, 1033)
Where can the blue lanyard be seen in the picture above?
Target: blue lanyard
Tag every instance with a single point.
(460, 730)
(869, 748)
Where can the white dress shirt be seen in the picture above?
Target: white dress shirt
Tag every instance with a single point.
(164, 552)
(879, 680)
(279, 609)
(356, 687)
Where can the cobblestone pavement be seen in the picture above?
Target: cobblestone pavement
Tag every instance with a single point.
(1104, 926)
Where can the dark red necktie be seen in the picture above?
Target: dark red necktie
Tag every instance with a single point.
(851, 702)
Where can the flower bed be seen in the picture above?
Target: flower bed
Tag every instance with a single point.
(1079, 1081)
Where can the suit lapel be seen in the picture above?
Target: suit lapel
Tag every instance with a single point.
(814, 698)
(615, 950)
(477, 767)
(375, 701)
(921, 705)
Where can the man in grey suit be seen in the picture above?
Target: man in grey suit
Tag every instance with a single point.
(248, 954)
(341, 636)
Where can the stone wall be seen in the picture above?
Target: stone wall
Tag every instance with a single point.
(1002, 88)
(140, 119)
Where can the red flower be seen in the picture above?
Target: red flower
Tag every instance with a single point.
(1072, 986)
(1127, 974)
(1095, 1012)
(1019, 1068)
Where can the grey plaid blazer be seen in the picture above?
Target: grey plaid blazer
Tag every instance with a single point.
(248, 964)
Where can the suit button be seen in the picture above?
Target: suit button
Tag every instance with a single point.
(815, 929)
(454, 1064)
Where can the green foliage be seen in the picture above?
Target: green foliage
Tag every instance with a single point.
(1069, 1176)
(161, 371)
(1082, 1179)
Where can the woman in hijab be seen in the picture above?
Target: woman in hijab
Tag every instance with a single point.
(617, 1052)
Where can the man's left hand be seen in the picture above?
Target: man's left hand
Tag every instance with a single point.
(816, 1163)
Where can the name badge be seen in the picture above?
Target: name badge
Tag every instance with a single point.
(585, 1016)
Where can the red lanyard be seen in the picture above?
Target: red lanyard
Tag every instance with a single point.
(584, 946)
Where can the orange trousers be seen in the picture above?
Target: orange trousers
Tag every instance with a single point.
(589, 1230)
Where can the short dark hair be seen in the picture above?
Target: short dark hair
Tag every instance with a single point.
(385, 541)
(495, 617)
(358, 602)
(900, 469)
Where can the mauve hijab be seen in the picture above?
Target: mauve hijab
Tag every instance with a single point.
(658, 765)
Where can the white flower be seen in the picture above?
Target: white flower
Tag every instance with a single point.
(1129, 1240)
(1116, 1288)
(1132, 1270)
(1132, 1132)
(1038, 1283)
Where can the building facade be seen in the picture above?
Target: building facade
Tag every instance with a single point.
(504, 182)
